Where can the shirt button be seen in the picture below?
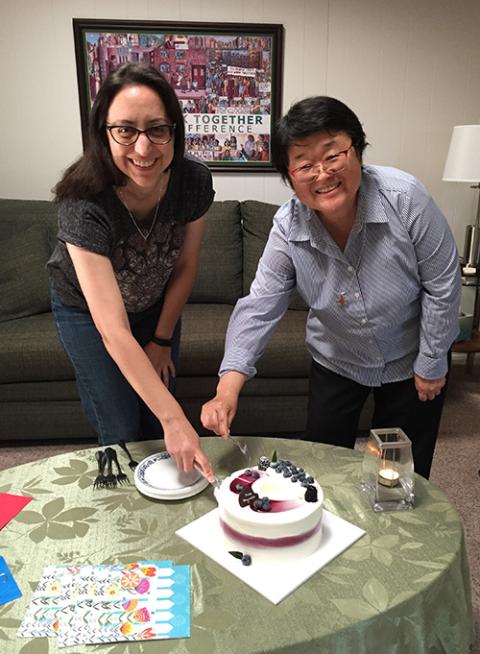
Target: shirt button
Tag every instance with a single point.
(357, 295)
(363, 321)
(350, 269)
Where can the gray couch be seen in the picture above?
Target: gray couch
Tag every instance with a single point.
(38, 396)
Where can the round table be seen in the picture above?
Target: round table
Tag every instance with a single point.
(403, 587)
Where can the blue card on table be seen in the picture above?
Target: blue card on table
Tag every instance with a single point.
(8, 588)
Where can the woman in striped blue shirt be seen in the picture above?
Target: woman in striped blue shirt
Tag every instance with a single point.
(374, 259)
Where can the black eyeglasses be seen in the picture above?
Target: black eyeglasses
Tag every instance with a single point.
(128, 135)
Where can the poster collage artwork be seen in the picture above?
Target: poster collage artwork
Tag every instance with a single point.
(223, 82)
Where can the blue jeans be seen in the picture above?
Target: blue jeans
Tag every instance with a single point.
(110, 404)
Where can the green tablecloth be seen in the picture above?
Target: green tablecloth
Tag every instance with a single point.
(403, 588)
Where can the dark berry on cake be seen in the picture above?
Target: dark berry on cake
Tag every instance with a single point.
(246, 559)
(311, 494)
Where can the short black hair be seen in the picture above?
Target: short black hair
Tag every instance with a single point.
(95, 170)
(319, 113)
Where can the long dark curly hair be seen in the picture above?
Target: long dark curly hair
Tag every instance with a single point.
(95, 171)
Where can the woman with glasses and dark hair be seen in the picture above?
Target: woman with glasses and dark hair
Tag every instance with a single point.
(131, 221)
(375, 261)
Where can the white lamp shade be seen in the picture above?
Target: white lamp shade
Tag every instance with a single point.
(463, 159)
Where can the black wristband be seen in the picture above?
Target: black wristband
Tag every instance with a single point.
(163, 342)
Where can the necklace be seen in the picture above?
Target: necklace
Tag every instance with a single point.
(342, 295)
(143, 233)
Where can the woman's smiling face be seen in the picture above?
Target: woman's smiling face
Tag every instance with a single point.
(143, 162)
(331, 195)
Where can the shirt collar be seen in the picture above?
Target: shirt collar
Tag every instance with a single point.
(370, 205)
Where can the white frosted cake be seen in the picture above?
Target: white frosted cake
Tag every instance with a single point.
(273, 510)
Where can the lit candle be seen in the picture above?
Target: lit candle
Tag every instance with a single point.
(388, 477)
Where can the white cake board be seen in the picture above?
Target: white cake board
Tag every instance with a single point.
(273, 581)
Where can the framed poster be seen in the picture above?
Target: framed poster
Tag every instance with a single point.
(227, 77)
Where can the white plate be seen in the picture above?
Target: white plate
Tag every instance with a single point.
(158, 476)
(273, 581)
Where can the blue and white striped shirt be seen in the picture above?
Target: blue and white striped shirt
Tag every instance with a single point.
(399, 274)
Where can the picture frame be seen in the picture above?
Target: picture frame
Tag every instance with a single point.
(227, 77)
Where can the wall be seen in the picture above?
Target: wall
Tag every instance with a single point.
(409, 69)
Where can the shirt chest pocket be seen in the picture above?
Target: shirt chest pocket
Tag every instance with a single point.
(312, 269)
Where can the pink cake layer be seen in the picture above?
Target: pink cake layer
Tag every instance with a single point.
(286, 541)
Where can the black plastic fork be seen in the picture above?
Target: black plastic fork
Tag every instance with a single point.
(110, 478)
(121, 476)
(100, 479)
(131, 462)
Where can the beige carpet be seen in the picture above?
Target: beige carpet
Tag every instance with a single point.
(455, 467)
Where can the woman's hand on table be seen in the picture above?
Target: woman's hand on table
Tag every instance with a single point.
(183, 444)
(428, 389)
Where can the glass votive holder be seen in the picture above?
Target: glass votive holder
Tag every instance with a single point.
(387, 470)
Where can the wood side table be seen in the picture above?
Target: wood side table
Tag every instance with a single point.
(470, 348)
(472, 345)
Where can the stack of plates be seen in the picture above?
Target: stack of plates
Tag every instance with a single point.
(158, 476)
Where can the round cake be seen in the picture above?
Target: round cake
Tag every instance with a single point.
(273, 510)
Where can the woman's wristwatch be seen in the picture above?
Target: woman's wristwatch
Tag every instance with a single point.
(163, 342)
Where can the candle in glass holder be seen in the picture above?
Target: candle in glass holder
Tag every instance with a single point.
(388, 477)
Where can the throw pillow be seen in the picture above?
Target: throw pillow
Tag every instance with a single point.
(24, 289)
(219, 276)
(257, 222)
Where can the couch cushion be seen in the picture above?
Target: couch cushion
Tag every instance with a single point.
(18, 215)
(257, 219)
(24, 289)
(10, 207)
(30, 351)
(286, 354)
(219, 277)
(203, 340)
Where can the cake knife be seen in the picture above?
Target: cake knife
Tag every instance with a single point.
(242, 446)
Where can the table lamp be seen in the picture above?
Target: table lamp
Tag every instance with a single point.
(463, 165)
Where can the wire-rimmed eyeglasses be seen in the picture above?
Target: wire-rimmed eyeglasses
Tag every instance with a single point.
(128, 135)
(330, 165)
